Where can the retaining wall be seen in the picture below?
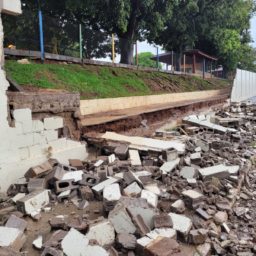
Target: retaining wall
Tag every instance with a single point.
(88, 107)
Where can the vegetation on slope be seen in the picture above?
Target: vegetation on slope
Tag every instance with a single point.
(104, 82)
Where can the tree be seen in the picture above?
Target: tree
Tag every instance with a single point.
(130, 20)
(218, 27)
(146, 61)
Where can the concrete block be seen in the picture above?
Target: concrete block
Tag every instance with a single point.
(170, 154)
(197, 236)
(64, 185)
(98, 189)
(188, 172)
(133, 190)
(51, 135)
(134, 157)
(89, 180)
(77, 163)
(12, 7)
(53, 123)
(163, 232)
(121, 220)
(50, 251)
(178, 206)
(111, 194)
(169, 166)
(181, 223)
(162, 221)
(76, 244)
(111, 159)
(218, 171)
(24, 153)
(18, 223)
(37, 126)
(33, 202)
(17, 197)
(9, 236)
(55, 238)
(36, 184)
(151, 198)
(24, 140)
(192, 198)
(75, 175)
(126, 241)
(38, 243)
(102, 232)
(22, 115)
(153, 187)
(142, 227)
(122, 151)
(38, 170)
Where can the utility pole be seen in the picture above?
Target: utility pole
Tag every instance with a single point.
(81, 41)
(137, 56)
(113, 48)
(41, 31)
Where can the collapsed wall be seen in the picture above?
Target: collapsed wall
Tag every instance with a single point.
(29, 142)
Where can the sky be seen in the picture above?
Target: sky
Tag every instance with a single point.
(253, 30)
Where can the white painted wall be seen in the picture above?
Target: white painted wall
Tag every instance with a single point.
(29, 142)
(244, 86)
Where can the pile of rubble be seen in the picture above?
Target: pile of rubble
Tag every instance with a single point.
(157, 199)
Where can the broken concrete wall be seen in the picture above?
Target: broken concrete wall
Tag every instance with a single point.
(243, 86)
(28, 142)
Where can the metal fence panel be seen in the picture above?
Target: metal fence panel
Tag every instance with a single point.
(244, 86)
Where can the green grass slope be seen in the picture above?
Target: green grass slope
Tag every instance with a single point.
(104, 82)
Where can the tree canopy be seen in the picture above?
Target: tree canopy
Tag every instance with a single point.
(218, 27)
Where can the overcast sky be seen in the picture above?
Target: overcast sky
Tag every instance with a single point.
(253, 30)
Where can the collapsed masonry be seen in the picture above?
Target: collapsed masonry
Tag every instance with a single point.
(189, 192)
(28, 142)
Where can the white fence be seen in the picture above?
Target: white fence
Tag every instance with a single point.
(244, 86)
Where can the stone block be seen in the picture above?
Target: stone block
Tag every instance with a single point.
(162, 221)
(75, 175)
(126, 241)
(38, 170)
(22, 115)
(53, 123)
(178, 206)
(76, 244)
(9, 237)
(51, 135)
(121, 220)
(142, 227)
(134, 157)
(86, 193)
(192, 198)
(36, 184)
(37, 126)
(162, 232)
(151, 197)
(77, 163)
(33, 202)
(121, 151)
(133, 190)
(169, 166)
(181, 223)
(218, 171)
(163, 246)
(188, 172)
(55, 238)
(102, 232)
(197, 236)
(111, 194)
(18, 223)
(203, 214)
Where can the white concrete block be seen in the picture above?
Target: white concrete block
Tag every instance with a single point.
(39, 138)
(12, 7)
(112, 192)
(51, 135)
(163, 232)
(17, 197)
(76, 176)
(33, 201)
(151, 198)
(8, 236)
(60, 144)
(98, 163)
(24, 153)
(169, 166)
(24, 140)
(153, 187)
(74, 243)
(219, 171)
(111, 159)
(144, 241)
(22, 115)
(37, 125)
(134, 157)
(132, 190)
(192, 194)
(100, 187)
(181, 223)
(103, 233)
(35, 151)
(53, 123)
